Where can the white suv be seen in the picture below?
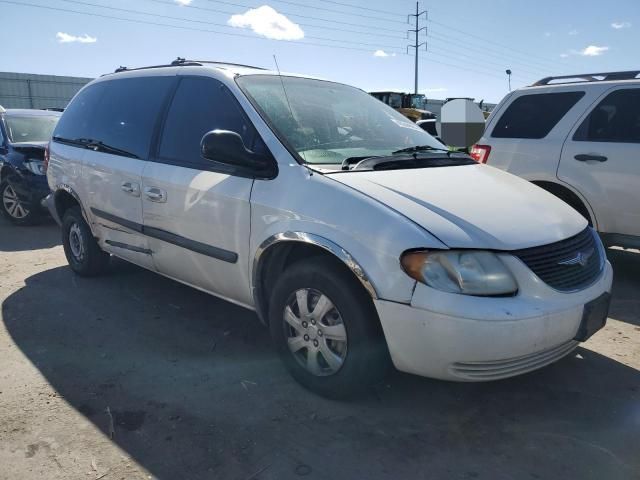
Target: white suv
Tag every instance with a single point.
(346, 227)
(577, 137)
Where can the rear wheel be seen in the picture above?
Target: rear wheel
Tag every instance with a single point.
(15, 209)
(83, 253)
(326, 329)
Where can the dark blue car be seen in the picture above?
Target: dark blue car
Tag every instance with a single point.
(24, 135)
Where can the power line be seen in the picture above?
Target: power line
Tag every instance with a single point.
(459, 67)
(484, 50)
(351, 5)
(204, 22)
(180, 27)
(463, 32)
(296, 15)
(375, 34)
(297, 4)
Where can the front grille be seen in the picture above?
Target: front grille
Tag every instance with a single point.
(567, 265)
(509, 367)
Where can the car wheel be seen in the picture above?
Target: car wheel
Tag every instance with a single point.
(326, 329)
(83, 253)
(15, 209)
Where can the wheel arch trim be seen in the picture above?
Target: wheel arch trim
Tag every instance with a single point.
(309, 239)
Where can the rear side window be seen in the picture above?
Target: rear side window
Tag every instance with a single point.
(128, 112)
(534, 116)
(200, 105)
(615, 119)
(75, 122)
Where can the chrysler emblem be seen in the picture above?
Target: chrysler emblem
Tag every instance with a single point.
(581, 258)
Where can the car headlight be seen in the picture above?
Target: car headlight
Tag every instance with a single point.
(35, 166)
(468, 272)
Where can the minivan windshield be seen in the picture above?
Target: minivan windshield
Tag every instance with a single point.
(327, 122)
(30, 128)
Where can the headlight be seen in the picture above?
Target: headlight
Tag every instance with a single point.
(468, 272)
(35, 166)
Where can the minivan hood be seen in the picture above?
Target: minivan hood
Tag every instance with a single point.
(471, 206)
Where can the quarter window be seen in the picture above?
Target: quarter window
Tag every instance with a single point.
(128, 111)
(200, 105)
(615, 119)
(74, 124)
(534, 116)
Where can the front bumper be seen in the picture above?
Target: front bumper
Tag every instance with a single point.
(31, 188)
(465, 338)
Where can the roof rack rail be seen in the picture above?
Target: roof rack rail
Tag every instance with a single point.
(183, 62)
(589, 77)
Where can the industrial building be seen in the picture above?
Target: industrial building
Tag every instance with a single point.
(26, 90)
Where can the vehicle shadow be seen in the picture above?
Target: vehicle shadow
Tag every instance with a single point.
(195, 391)
(17, 239)
(625, 305)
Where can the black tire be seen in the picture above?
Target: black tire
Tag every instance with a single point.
(366, 360)
(85, 256)
(15, 216)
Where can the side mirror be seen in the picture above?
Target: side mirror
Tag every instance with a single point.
(227, 147)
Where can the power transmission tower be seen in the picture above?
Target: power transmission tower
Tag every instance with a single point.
(417, 43)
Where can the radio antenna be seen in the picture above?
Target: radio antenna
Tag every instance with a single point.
(286, 97)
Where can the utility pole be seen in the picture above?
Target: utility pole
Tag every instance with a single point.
(417, 43)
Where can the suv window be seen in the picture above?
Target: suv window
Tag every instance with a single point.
(615, 119)
(200, 105)
(128, 111)
(534, 116)
(74, 124)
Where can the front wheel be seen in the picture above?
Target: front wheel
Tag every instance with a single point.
(83, 253)
(326, 329)
(15, 209)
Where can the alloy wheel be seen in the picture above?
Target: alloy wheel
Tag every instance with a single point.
(12, 204)
(315, 332)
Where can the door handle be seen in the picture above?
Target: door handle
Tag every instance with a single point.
(586, 157)
(131, 188)
(155, 194)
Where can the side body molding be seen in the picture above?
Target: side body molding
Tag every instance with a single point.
(308, 238)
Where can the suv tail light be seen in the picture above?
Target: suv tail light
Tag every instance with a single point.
(46, 157)
(480, 153)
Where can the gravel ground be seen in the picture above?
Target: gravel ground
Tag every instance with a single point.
(131, 375)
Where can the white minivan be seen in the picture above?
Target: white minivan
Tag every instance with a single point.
(349, 230)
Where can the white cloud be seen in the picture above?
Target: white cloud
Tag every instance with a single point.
(573, 32)
(68, 38)
(564, 55)
(267, 22)
(593, 51)
(619, 25)
(183, 2)
(382, 53)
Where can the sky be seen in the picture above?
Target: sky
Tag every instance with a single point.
(469, 43)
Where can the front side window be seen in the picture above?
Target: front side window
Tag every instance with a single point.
(326, 122)
(199, 106)
(30, 128)
(534, 116)
(615, 119)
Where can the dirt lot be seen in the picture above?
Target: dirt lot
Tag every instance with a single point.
(134, 376)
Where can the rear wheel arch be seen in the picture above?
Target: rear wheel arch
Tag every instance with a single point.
(568, 196)
(280, 251)
(64, 199)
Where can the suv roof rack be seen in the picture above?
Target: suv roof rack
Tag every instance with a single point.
(589, 77)
(183, 62)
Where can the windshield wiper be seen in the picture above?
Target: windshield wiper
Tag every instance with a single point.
(420, 148)
(99, 146)
(80, 142)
